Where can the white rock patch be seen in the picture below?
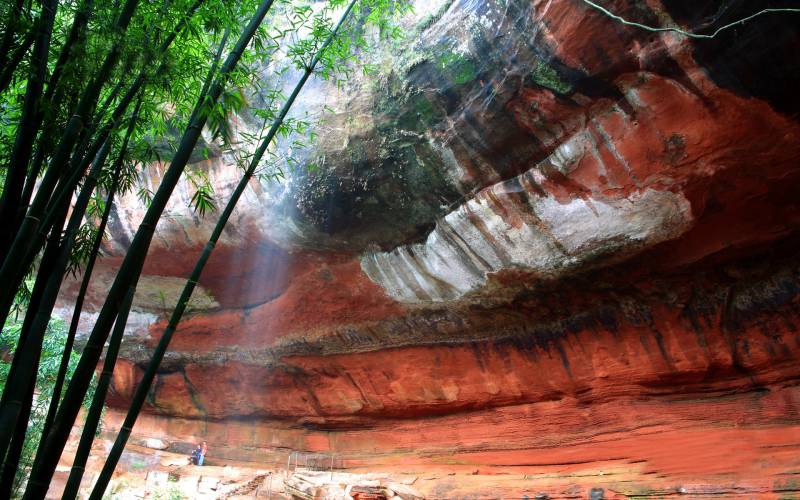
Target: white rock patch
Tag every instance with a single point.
(552, 238)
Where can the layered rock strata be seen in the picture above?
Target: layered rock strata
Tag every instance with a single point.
(545, 245)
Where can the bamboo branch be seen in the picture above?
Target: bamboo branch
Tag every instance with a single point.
(130, 269)
(143, 388)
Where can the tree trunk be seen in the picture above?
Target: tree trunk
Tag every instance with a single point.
(21, 242)
(75, 38)
(29, 347)
(31, 335)
(28, 126)
(11, 463)
(7, 75)
(143, 387)
(96, 410)
(118, 112)
(14, 14)
(47, 456)
(76, 313)
(32, 221)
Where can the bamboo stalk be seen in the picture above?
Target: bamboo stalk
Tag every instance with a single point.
(46, 146)
(28, 350)
(28, 125)
(32, 334)
(11, 463)
(21, 244)
(47, 456)
(26, 244)
(14, 15)
(77, 33)
(7, 75)
(143, 387)
(76, 313)
(96, 408)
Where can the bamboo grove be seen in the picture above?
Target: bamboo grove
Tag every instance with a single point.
(92, 91)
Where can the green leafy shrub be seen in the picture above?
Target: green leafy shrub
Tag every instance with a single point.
(52, 347)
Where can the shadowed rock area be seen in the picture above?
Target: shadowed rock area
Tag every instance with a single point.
(543, 251)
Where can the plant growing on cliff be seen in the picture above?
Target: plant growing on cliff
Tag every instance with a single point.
(46, 388)
(75, 130)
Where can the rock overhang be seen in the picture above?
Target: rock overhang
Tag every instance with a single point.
(576, 222)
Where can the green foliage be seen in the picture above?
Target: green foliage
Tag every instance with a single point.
(288, 38)
(48, 369)
(203, 199)
(459, 68)
(84, 241)
(170, 492)
(94, 71)
(546, 76)
(434, 17)
(145, 195)
(22, 297)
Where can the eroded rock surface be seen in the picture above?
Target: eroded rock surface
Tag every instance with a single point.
(540, 243)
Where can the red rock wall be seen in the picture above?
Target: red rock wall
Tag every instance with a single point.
(671, 386)
(666, 368)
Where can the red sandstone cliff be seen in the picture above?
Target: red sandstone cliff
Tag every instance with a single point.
(565, 255)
